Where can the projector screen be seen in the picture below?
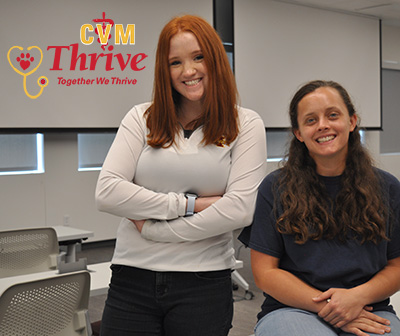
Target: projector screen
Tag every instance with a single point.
(53, 77)
(280, 46)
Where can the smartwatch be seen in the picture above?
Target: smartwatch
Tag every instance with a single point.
(191, 200)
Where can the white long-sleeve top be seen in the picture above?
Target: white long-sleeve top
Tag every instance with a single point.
(141, 182)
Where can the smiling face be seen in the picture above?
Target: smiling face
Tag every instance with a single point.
(324, 125)
(187, 67)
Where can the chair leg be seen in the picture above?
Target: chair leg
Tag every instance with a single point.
(240, 280)
(88, 325)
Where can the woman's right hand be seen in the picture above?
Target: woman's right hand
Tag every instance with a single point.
(367, 322)
(204, 202)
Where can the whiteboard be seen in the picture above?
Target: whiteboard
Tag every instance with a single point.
(88, 102)
(280, 46)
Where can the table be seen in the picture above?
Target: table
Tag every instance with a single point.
(70, 237)
(100, 275)
(68, 233)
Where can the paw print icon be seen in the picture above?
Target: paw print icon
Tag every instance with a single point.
(25, 60)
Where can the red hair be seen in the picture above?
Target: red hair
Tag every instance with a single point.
(219, 117)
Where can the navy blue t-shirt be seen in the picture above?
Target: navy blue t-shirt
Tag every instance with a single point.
(323, 264)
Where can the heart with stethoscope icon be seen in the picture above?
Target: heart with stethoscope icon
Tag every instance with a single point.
(24, 61)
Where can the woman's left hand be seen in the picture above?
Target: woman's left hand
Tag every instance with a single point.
(343, 306)
(367, 323)
(139, 223)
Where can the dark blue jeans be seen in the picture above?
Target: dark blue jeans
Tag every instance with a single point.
(142, 302)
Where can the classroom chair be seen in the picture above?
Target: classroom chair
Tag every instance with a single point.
(53, 306)
(30, 250)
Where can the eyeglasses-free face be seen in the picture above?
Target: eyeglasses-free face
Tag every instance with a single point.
(324, 127)
(187, 67)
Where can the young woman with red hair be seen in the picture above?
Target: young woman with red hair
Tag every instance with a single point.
(183, 173)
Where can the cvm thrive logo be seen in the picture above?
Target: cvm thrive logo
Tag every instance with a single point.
(69, 59)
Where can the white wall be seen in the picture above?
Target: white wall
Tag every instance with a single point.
(391, 47)
(390, 60)
(70, 192)
(280, 46)
(44, 199)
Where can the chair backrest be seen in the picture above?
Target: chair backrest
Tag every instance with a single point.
(53, 306)
(27, 251)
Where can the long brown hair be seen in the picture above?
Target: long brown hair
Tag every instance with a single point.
(359, 209)
(219, 118)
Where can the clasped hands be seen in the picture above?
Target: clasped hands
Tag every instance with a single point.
(344, 310)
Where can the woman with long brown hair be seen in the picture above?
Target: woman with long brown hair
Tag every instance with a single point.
(183, 172)
(325, 240)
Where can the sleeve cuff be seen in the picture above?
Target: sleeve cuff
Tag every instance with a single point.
(146, 228)
(181, 205)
